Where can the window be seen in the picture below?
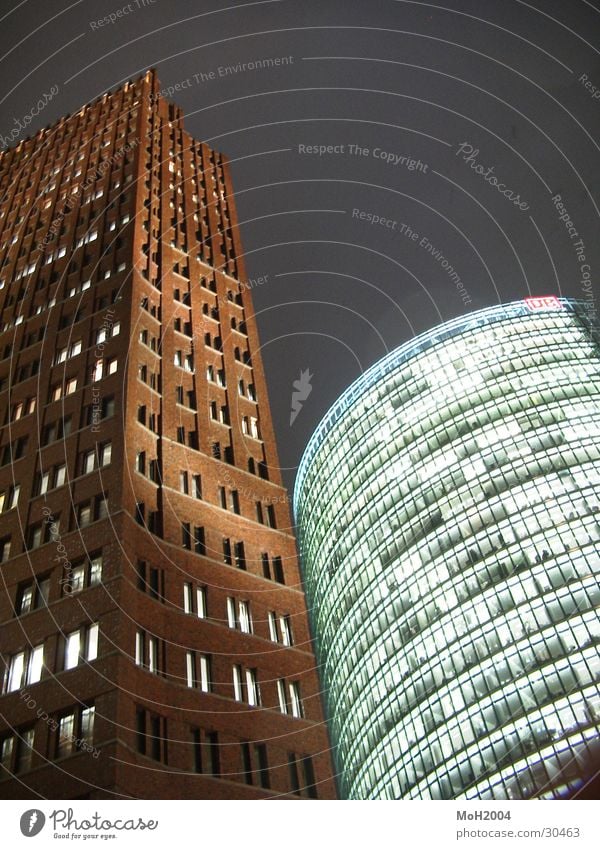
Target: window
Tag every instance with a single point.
(261, 770)
(16, 751)
(238, 692)
(41, 532)
(278, 570)
(147, 651)
(199, 541)
(206, 752)
(196, 486)
(295, 700)
(266, 567)
(32, 595)
(238, 615)
(239, 555)
(198, 671)
(194, 602)
(252, 688)
(282, 697)
(140, 462)
(75, 731)
(151, 735)
(308, 783)
(183, 483)
(83, 574)
(81, 645)
(9, 499)
(263, 766)
(88, 461)
(244, 617)
(151, 580)
(245, 686)
(92, 511)
(4, 549)
(273, 632)
(84, 514)
(280, 629)
(104, 454)
(56, 430)
(63, 353)
(25, 667)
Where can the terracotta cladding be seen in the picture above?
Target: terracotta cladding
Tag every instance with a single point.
(123, 315)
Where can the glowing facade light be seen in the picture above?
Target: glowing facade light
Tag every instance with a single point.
(448, 508)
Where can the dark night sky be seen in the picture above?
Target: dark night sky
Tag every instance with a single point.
(410, 79)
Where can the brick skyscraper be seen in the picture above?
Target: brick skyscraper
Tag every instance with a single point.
(153, 629)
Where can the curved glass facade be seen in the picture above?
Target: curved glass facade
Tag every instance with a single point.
(448, 514)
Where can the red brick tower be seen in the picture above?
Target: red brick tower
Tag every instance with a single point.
(153, 627)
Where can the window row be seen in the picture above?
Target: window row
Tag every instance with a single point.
(150, 654)
(72, 732)
(27, 666)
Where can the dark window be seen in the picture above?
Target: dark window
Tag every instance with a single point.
(263, 766)
(246, 762)
(265, 566)
(213, 747)
(199, 541)
(294, 778)
(278, 570)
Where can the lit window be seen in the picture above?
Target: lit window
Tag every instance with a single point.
(273, 627)
(205, 678)
(286, 630)
(295, 700)
(104, 454)
(252, 688)
(244, 617)
(24, 668)
(81, 645)
(238, 692)
(283, 705)
(89, 461)
(60, 473)
(201, 602)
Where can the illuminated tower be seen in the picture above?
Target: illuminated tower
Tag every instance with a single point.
(448, 520)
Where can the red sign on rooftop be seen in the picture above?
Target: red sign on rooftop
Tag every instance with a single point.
(544, 302)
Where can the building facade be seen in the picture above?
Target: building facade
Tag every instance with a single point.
(153, 626)
(448, 513)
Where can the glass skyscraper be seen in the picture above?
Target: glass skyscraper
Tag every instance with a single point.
(448, 510)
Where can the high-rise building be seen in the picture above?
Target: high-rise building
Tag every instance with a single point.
(153, 627)
(448, 508)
